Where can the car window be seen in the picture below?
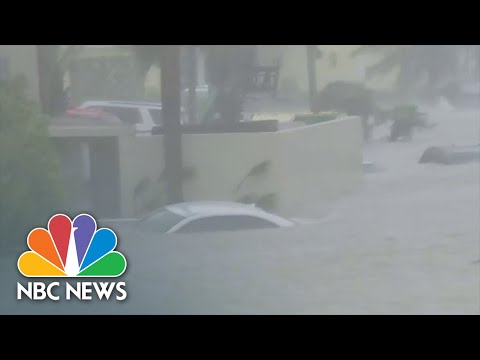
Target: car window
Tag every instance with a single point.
(161, 221)
(156, 115)
(125, 114)
(226, 223)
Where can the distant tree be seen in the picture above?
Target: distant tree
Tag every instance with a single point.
(225, 72)
(228, 71)
(351, 98)
(53, 63)
(424, 66)
(406, 118)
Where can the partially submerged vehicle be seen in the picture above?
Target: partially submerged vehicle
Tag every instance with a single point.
(206, 216)
(451, 154)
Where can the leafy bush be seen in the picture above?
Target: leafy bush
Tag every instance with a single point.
(149, 194)
(354, 99)
(310, 119)
(29, 179)
(351, 98)
(266, 201)
(146, 196)
(409, 114)
(405, 119)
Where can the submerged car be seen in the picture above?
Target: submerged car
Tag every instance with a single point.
(207, 216)
(448, 155)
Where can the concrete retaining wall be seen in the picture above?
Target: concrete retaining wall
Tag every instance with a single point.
(306, 165)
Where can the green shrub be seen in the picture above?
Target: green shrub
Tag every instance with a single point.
(405, 119)
(30, 189)
(350, 98)
(409, 114)
(310, 119)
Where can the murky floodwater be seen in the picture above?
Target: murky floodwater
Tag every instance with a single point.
(405, 243)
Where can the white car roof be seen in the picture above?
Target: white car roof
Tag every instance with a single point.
(221, 208)
(137, 104)
(198, 88)
(121, 103)
(208, 207)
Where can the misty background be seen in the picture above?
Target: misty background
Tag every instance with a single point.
(374, 147)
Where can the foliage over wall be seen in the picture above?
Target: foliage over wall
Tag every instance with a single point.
(109, 78)
(30, 189)
(351, 98)
(150, 194)
(318, 118)
(265, 201)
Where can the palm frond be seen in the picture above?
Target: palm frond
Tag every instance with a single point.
(257, 170)
(384, 66)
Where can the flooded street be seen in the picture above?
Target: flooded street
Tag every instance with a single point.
(240, 179)
(405, 243)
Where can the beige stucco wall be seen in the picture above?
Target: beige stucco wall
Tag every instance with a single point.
(219, 161)
(317, 164)
(140, 157)
(223, 160)
(23, 61)
(308, 165)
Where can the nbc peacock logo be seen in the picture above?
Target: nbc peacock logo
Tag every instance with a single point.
(72, 249)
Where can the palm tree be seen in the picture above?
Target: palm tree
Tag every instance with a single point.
(192, 82)
(312, 73)
(223, 68)
(426, 66)
(168, 58)
(225, 65)
(53, 63)
(171, 104)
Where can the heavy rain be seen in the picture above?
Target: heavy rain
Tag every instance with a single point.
(239, 179)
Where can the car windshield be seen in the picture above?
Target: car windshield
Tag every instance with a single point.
(160, 221)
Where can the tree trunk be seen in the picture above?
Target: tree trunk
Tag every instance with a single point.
(170, 85)
(50, 79)
(312, 73)
(43, 77)
(192, 84)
